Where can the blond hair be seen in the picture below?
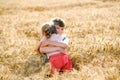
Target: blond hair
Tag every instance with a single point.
(46, 29)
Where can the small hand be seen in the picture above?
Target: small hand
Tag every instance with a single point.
(44, 43)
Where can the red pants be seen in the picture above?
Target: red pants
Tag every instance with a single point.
(60, 63)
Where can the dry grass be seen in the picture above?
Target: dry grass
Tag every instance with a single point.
(92, 26)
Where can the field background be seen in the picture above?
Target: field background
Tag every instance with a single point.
(92, 26)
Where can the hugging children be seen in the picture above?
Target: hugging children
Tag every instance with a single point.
(53, 44)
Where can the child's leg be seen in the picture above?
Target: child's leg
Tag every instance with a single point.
(67, 63)
(56, 63)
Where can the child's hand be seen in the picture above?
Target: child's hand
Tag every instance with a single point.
(44, 43)
(36, 49)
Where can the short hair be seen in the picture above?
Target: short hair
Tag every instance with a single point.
(58, 21)
(53, 29)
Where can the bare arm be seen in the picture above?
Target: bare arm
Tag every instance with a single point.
(53, 43)
(37, 46)
(51, 49)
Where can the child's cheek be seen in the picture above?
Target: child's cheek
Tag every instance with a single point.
(57, 31)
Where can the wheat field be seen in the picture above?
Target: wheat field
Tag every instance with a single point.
(92, 27)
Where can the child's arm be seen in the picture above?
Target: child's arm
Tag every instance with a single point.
(54, 43)
(51, 49)
(43, 47)
(37, 46)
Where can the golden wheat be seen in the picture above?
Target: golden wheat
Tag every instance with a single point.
(93, 29)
